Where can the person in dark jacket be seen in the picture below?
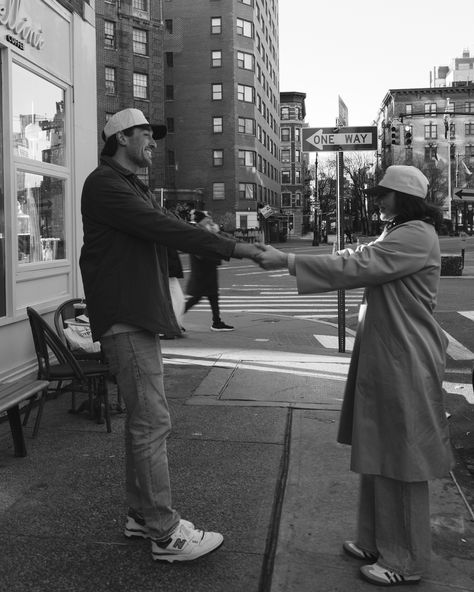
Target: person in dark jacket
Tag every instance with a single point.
(125, 276)
(204, 279)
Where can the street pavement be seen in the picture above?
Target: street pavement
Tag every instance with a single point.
(253, 454)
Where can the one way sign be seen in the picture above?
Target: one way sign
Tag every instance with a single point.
(332, 139)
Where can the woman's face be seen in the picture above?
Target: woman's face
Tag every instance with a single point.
(387, 206)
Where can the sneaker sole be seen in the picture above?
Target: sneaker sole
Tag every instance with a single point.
(176, 557)
(219, 330)
(135, 534)
(365, 556)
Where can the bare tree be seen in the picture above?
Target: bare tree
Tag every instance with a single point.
(357, 167)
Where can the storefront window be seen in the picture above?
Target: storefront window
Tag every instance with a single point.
(40, 217)
(38, 117)
(2, 222)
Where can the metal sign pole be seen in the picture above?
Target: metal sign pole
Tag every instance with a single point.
(341, 295)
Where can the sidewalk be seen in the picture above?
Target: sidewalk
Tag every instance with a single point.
(253, 454)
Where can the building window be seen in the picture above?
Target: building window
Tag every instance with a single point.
(171, 158)
(217, 125)
(285, 155)
(217, 158)
(244, 221)
(285, 134)
(140, 5)
(247, 158)
(169, 59)
(469, 129)
(286, 200)
(285, 113)
(244, 28)
(169, 92)
(408, 109)
(469, 152)
(169, 26)
(430, 109)
(246, 93)
(140, 42)
(246, 60)
(170, 124)
(247, 191)
(140, 86)
(246, 125)
(285, 177)
(297, 134)
(216, 58)
(431, 131)
(39, 140)
(469, 107)
(297, 200)
(216, 25)
(431, 153)
(297, 177)
(297, 155)
(110, 88)
(248, 2)
(218, 191)
(109, 34)
(217, 92)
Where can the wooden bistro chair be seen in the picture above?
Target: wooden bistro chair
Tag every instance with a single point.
(80, 375)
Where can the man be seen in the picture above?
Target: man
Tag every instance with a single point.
(124, 270)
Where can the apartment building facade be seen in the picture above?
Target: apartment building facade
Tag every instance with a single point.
(129, 37)
(433, 128)
(294, 162)
(221, 79)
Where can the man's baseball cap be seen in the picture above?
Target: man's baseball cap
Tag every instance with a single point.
(130, 118)
(403, 178)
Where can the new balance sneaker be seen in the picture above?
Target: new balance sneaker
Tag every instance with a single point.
(352, 549)
(220, 326)
(381, 576)
(135, 526)
(185, 544)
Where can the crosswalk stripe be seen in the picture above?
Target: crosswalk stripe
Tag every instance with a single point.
(267, 310)
(456, 350)
(469, 314)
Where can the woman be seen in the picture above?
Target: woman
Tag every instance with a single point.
(393, 413)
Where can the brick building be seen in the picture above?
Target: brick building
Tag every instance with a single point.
(129, 36)
(221, 79)
(294, 167)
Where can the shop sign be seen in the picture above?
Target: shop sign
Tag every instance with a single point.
(21, 26)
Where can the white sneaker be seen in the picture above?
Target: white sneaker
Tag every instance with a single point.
(186, 544)
(381, 576)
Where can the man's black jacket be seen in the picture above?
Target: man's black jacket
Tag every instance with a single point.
(123, 259)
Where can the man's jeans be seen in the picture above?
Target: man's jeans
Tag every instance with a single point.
(135, 361)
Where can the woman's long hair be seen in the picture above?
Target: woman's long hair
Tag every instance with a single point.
(410, 207)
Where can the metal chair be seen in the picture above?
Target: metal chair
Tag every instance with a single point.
(80, 375)
(66, 311)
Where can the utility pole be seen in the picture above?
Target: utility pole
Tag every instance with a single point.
(316, 236)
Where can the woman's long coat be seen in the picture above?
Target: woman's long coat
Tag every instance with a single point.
(393, 412)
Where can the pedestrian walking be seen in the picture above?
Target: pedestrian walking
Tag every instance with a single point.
(203, 281)
(125, 276)
(393, 412)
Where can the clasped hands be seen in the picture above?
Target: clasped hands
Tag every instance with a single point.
(264, 255)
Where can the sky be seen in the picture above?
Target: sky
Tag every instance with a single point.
(359, 49)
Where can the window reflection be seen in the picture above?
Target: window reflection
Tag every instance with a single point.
(40, 217)
(38, 117)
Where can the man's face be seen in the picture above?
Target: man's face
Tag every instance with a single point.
(139, 147)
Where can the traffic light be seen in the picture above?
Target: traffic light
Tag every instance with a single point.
(408, 135)
(395, 135)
